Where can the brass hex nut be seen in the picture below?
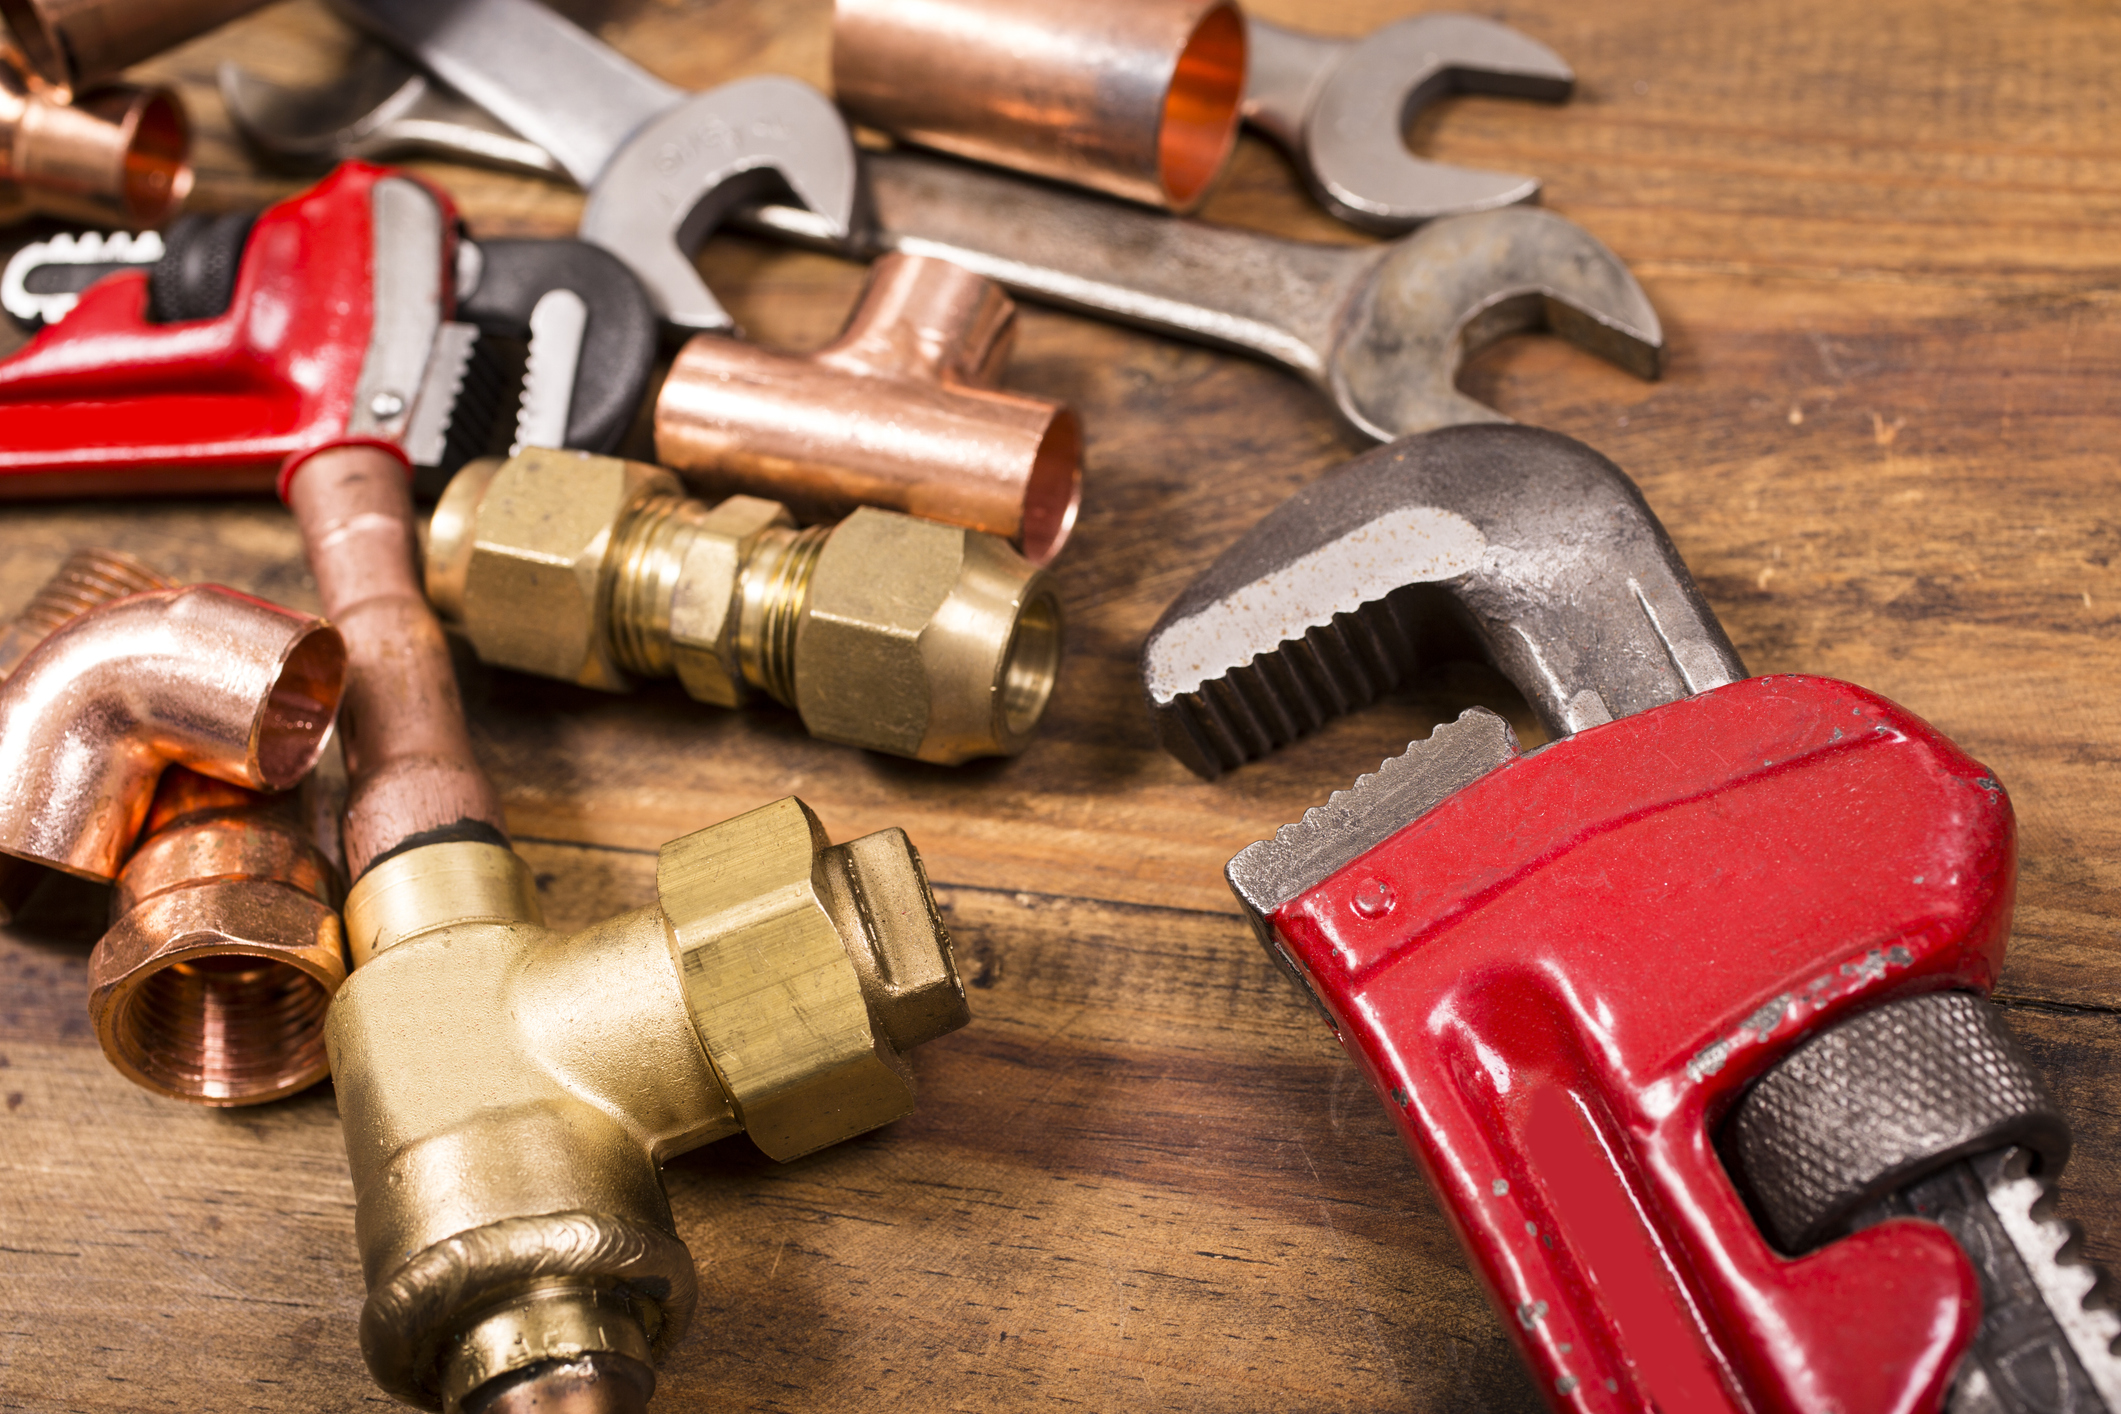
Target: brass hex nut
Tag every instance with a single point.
(534, 578)
(925, 640)
(770, 979)
(706, 608)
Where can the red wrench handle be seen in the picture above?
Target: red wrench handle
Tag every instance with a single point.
(1562, 976)
(106, 401)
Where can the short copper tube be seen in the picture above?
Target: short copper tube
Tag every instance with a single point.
(900, 412)
(117, 155)
(212, 983)
(78, 42)
(1138, 98)
(203, 677)
(413, 777)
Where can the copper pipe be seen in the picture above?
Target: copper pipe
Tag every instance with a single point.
(413, 776)
(115, 155)
(212, 983)
(1138, 98)
(77, 42)
(203, 677)
(899, 412)
(84, 580)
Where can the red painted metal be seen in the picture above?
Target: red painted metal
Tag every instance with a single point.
(1586, 955)
(104, 402)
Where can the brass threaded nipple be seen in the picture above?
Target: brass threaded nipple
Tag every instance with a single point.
(776, 591)
(648, 555)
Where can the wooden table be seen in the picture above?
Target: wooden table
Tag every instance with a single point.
(1882, 240)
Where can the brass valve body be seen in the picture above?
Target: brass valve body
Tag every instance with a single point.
(901, 412)
(508, 1092)
(884, 631)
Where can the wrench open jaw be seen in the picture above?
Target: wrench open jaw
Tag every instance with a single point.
(662, 167)
(1341, 107)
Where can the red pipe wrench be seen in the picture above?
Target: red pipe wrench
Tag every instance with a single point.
(1683, 1013)
(353, 312)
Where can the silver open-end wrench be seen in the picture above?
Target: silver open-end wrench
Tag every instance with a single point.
(661, 166)
(1341, 107)
(1382, 330)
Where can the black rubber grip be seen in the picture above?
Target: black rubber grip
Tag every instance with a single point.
(196, 276)
(618, 343)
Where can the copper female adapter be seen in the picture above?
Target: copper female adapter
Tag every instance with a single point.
(884, 631)
(508, 1091)
(212, 981)
(1139, 98)
(901, 411)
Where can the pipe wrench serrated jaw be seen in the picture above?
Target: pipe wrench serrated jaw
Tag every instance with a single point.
(1682, 1012)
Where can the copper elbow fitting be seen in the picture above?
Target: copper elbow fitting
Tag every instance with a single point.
(414, 778)
(883, 631)
(901, 411)
(78, 42)
(212, 983)
(202, 677)
(117, 155)
(1139, 98)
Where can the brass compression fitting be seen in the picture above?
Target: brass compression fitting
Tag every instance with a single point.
(883, 631)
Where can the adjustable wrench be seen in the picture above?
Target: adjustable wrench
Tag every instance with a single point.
(1341, 106)
(661, 166)
(1682, 1013)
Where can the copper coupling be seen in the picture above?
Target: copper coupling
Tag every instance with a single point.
(883, 631)
(1138, 98)
(116, 155)
(901, 411)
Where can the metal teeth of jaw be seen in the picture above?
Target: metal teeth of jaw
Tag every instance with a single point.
(2076, 1292)
(1268, 874)
(436, 407)
(1256, 708)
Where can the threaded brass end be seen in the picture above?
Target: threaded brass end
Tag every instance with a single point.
(776, 593)
(88, 579)
(647, 558)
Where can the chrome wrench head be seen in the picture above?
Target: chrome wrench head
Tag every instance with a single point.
(1457, 285)
(666, 190)
(1341, 109)
(380, 108)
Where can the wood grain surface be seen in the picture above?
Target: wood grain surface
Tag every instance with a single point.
(1882, 241)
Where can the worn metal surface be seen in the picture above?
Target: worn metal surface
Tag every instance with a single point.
(1538, 545)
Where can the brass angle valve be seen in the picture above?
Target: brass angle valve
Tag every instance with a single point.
(883, 631)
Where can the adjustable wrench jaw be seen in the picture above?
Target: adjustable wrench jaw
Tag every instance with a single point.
(1341, 107)
(1561, 969)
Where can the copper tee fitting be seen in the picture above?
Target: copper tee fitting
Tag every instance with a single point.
(901, 411)
(203, 677)
(884, 631)
(74, 43)
(116, 155)
(508, 1093)
(1139, 98)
